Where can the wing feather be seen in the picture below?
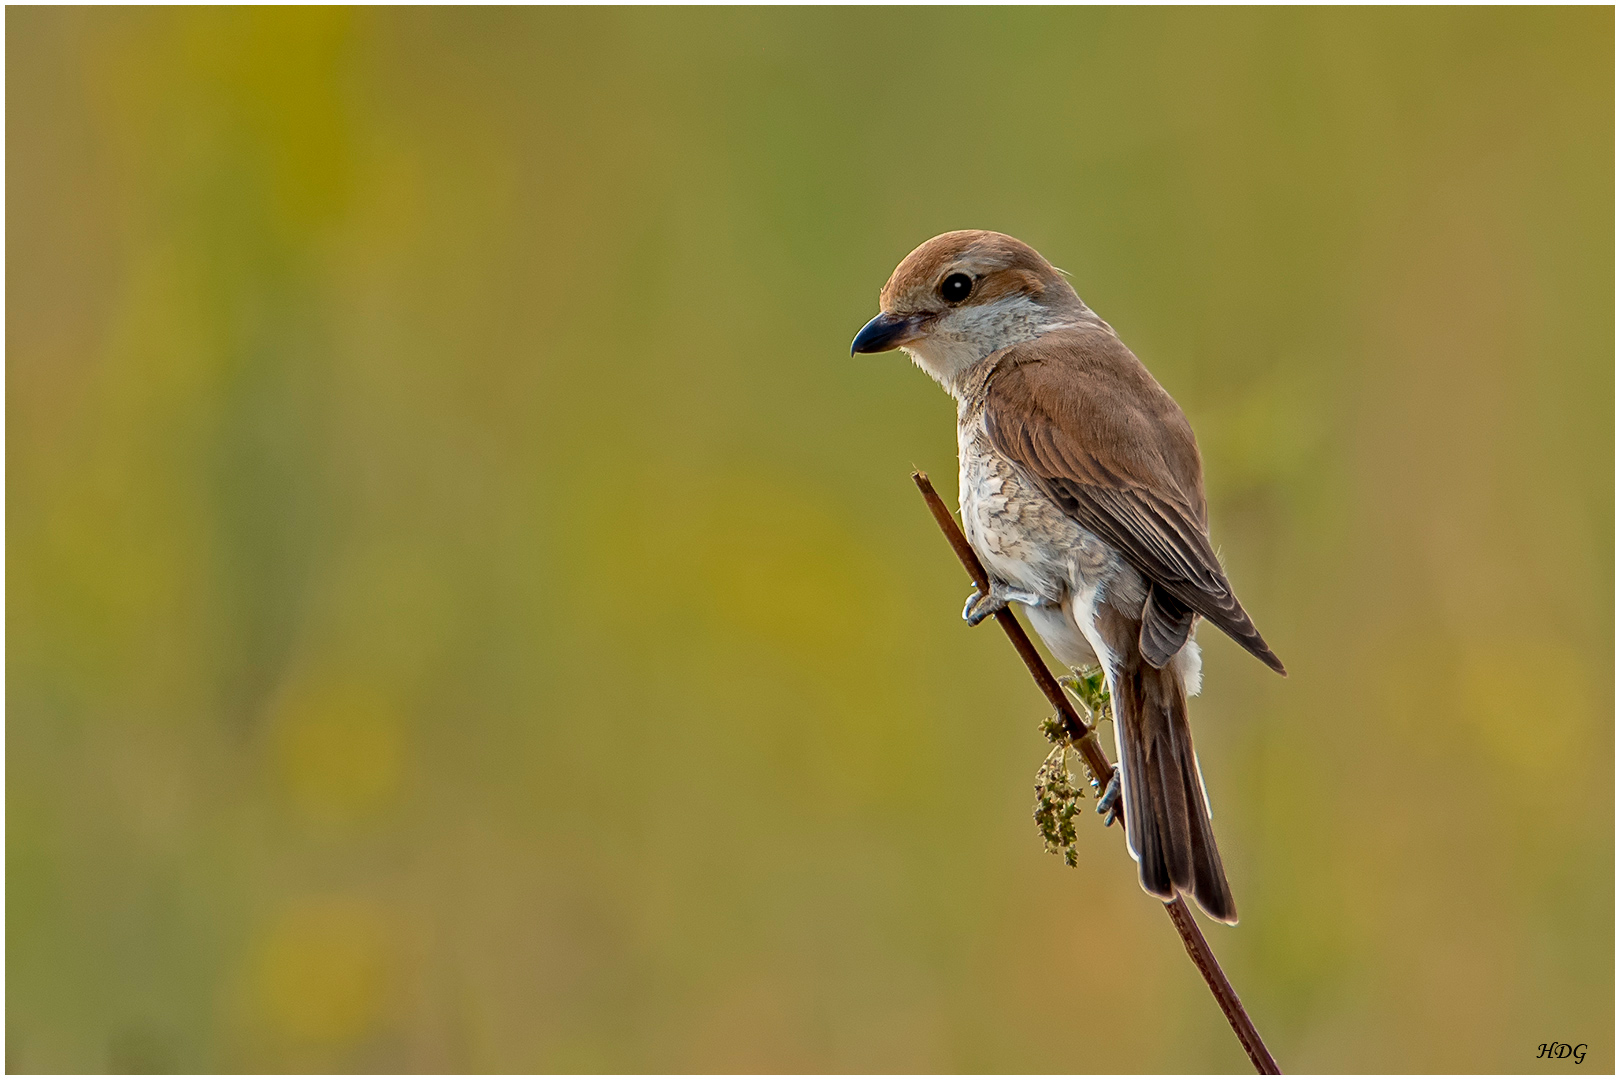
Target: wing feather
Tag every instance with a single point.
(1100, 437)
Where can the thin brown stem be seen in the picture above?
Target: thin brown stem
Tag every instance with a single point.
(1210, 968)
(1085, 739)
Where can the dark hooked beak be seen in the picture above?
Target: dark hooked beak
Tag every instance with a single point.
(884, 333)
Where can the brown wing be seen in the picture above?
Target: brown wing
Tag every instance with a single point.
(1101, 438)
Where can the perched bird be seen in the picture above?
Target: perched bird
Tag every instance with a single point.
(1082, 492)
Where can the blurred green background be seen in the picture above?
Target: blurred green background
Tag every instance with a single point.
(468, 610)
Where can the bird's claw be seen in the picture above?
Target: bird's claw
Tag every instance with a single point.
(980, 607)
(1108, 805)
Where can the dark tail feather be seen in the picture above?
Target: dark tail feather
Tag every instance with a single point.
(1166, 816)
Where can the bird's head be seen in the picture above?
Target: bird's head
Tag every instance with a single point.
(963, 295)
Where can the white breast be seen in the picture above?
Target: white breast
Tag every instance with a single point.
(1024, 539)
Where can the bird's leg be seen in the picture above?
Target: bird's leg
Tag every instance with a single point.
(1108, 805)
(980, 607)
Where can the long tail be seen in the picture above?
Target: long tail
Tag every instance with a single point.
(1166, 812)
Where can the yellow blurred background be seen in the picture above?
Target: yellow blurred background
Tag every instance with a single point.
(468, 611)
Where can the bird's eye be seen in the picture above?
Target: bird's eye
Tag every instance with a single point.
(955, 289)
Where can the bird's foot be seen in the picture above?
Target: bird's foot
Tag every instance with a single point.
(1108, 805)
(980, 607)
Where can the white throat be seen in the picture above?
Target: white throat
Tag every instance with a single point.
(963, 336)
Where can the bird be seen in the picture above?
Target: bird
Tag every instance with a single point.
(1082, 492)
